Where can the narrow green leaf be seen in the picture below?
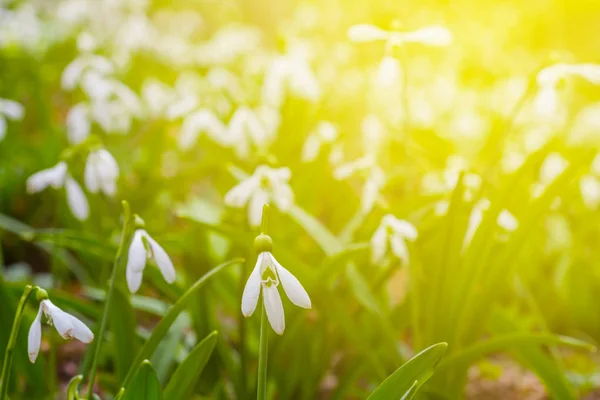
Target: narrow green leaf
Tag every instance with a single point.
(508, 342)
(164, 356)
(163, 326)
(419, 368)
(73, 388)
(144, 384)
(361, 289)
(122, 323)
(184, 378)
(327, 240)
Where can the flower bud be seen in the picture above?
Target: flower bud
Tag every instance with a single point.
(263, 243)
(41, 294)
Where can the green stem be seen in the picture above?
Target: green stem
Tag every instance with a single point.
(265, 219)
(12, 341)
(111, 288)
(262, 356)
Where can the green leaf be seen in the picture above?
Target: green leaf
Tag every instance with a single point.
(160, 331)
(508, 341)
(164, 356)
(411, 392)
(144, 384)
(73, 388)
(184, 378)
(419, 368)
(327, 240)
(122, 323)
(361, 289)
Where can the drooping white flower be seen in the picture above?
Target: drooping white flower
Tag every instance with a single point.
(157, 96)
(374, 182)
(79, 123)
(68, 326)
(505, 220)
(101, 172)
(266, 185)
(141, 249)
(74, 73)
(266, 276)
(58, 177)
(289, 74)
(9, 109)
(392, 234)
(324, 133)
(434, 35)
(201, 121)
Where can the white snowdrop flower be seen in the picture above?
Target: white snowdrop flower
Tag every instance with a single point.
(183, 104)
(371, 191)
(507, 221)
(266, 277)
(79, 123)
(9, 109)
(590, 191)
(392, 234)
(86, 42)
(111, 116)
(157, 96)
(54, 177)
(366, 33)
(552, 167)
(75, 71)
(141, 249)
(76, 199)
(266, 185)
(389, 72)
(348, 169)
(325, 132)
(291, 74)
(67, 326)
(248, 128)
(434, 35)
(101, 172)
(202, 121)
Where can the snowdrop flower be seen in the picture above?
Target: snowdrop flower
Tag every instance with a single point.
(433, 35)
(389, 72)
(252, 129)
(547, 100)
(325, 133)
(374, 182)
(67, 326)
(266, 276)
(141, 249)
(101, 172)
(201, 121)
(505, 220)
(291, 74)
(9, 109)
(157, 96)
(58, 177)
(264, 185)
(74, 73)
(79, 123)
(392, 234)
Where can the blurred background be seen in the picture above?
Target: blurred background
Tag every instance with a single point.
(482, 131)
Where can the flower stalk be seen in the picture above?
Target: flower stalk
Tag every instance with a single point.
(263, 350)
(12, 341)
(125, 234)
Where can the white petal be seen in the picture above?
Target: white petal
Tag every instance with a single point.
(163, 262)
(546, 102)
(2, 128)
(274, 308)
(399, 248)
(54, 177)
(379, 244)
(431, 35)
(366, 33)
(404, 228)
(78, 123)
(136, 261)
(77, 200)
(80, 330)
(255, 207)
(311, 148)
(292, 286)
(60, 319)
(238, 196)
(252, 289)
(283, 196)
(34, 339)
(11, 109)
(90, 177)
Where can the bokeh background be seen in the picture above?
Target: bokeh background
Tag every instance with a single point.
(504, 195)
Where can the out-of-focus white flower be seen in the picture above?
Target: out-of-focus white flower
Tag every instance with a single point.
(54, 177)
(392, 234)
(373, 134)
(371, 191)
(101, 172)
(507, 221)
(552, 167)
(75, 71)
(389, 72)
(202, 121)
(348, 169)
(79, 123)
(249, 127)
(324, 133)
(67, 326)
(227, 45)
(58, 177)
(141, 249)
(434, 183)
(590, 191)
(266, 185)
(547, 99)
(267, 275)
(9, 109)
(433, 35)
(291, 74)
(586, 126)
(157, 96)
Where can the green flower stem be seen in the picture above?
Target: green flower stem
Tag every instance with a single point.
(12, 341)
(263, 351)
(262, 355)
(125, 235)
